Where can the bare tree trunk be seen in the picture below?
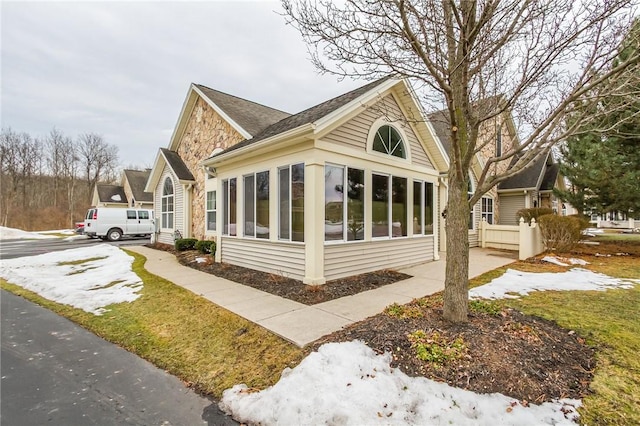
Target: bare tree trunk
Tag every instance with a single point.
(456, 286)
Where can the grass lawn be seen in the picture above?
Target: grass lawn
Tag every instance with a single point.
(206, 346)
(608, 320)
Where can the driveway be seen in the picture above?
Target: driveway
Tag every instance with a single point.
(10, 249)
(55, 372)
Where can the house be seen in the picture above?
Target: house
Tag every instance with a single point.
(129, 194)
(497, 136)
(532, 187)
(348, 186)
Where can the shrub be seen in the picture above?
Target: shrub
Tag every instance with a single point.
(560, 233)
(183, 244)
(206, 247)
(535, 213)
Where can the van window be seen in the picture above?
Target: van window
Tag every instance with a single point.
(89, 214)
(131, 214)
(142, 214)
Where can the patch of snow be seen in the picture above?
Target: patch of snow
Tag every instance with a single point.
(349, 384)
(58, 231)
(116, 197)
(563, 261)
(514, 283)
(89, 286)
(200, 260)
(591, 232)
(19, 234)
(76, 237)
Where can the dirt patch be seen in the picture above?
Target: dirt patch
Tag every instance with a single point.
(524, 357)
(282, 286)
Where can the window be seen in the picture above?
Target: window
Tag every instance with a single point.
(389, 201)
(387, 140)
(143, 214)
(291, 202)
(211, 210)
(229, 205)
(422, 208)
(487, 209)
(256, 205)
(499, 141)
(167, 204)
(340, 203)
(131, 214)
(133, 202)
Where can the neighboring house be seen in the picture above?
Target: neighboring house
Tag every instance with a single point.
(129, 194)
(498, 136)
(351, 185)
(532, 187)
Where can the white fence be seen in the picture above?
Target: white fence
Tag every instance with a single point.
(524, 238)
(618, 224)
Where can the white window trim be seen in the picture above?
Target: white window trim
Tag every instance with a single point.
(389, 235)
(207, 211)
(290, 239)
(382, 121)
(227, 194)
(255, 204)
(163, 197)
(484, 214)
(423, 214)
(345, 206)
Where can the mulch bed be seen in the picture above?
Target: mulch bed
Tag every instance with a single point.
(282, 286)
(524, 357)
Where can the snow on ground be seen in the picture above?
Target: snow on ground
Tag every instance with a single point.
(563, 261)
(59, 231)
(349, 384)
(19, 234)
(514, 283)
(89, 285)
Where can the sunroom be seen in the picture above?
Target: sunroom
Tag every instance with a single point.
(347, 187)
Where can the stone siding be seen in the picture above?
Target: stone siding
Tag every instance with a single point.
(206, 130)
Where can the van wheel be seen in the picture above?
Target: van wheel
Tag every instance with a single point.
(114, 234)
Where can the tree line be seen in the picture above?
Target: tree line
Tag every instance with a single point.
(47, 182)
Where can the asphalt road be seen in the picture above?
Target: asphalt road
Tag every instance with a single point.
(56, 373)
(10, 249)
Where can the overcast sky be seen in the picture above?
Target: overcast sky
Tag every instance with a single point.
(122, 69)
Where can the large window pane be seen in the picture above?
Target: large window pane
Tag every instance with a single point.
(399, 207)
(418, 216)
(249, 206)
(232, 206)
(262, 205)
(297, 202)
(428, 208)
(380, 205)
(225, 207)
(355, 204)
(283, 199)
(333, 203)
(211, 210)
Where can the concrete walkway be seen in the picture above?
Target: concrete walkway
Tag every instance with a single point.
(302, 324)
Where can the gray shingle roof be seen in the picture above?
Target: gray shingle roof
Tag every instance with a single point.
(550, 177)
(527, 178)
(111, 194)
(440, 122)
(251, 116)
(137, 181)
(307, 116)
(177, 165)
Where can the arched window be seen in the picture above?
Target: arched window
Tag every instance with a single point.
(167, 203)
(387, 140)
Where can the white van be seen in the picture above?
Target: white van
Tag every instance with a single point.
(113, 223)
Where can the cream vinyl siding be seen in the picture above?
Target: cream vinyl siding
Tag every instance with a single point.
(509, 206)
(284, 259)
(347, 259)
(178, 216)
(473, 234)
(354, 132)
